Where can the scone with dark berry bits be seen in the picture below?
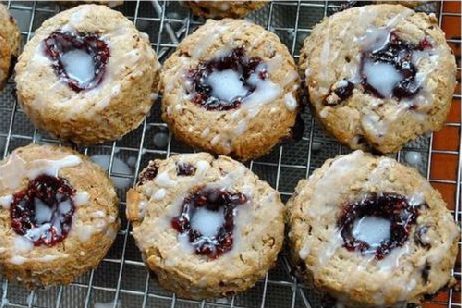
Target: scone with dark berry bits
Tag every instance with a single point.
(223, 8)
(371, 232)
(10, 43)
(379, 76)
(231, 88)
(207, 227)
(58, 215)
(87, 75)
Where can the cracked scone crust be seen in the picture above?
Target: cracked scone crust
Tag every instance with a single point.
(224, 9)
(271, 89)
(257, 234)
(367, 102)
(119, 93)
(420, 266)
(93, 226)
(10, 43)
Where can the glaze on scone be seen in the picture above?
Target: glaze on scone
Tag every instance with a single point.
(231, 88)
(10, 43)
(223, 8)
(58, 214)
(378, 76)
(109, 3)
(207, 227)
(370, 232)
(87, 75)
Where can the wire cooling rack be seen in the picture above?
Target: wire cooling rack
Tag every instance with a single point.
(121, 280)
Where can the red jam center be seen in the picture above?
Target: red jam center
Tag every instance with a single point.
(79, 59)
(43, 211)
(390, 206)
(222, 83)
(398, 54)
(211, 205)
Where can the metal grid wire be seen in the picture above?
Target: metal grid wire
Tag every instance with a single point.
(121, 280)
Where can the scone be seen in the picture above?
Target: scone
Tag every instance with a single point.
(58, 215)
(87, 75)
(407, 3)
(223, 9)
(10, 43)
(207, 227)
(109, 3)
(378, 76)
(371, 232)
(231, 88)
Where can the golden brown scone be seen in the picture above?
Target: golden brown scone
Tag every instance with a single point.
(379, 76)
(231, 88)
(10, 43)
(224, 9)
(109, 3)
(407, 3)
(87, 75)
(371, 232)
(58, 215)
(207, 227)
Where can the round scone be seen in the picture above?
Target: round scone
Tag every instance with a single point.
(87, 75)
(407, 3)
(223, 8)
(10, 43)
(371, 232)
(379, 76)
(58, 215)
(110, 3)
(231, 88)
(207, 227)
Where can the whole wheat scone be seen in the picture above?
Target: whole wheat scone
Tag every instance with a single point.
(58, 215)
(207, 227)
(87, 75)
(109, 3)
(371, 232)
(10, 43)
(379, 76)
(231, 88)
(407, 3)
(223, 8)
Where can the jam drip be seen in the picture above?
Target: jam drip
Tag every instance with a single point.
(391, 206)
(398, 54)
(242, 68)
(63, 47)
(43, 211)
(215, 202)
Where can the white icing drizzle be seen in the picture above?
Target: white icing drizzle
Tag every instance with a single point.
(226, 85)
(81, 198)
(5, 201)
(372, 230)
(339, 171)
(202, 166)
(160, 194)
(382, 76)
(163, 180)
(207, 222)
(290, 101)
(79, 65)
(51, 167)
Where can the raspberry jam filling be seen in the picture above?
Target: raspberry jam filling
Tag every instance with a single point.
(79, 59)
(43, 211)
(377, 223)
(223, 83)
(389, 71)
(207, 220)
